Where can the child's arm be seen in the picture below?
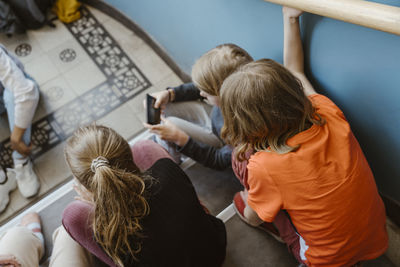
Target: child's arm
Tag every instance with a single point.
(293, 56)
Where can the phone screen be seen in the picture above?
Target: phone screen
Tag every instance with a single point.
(153, 114)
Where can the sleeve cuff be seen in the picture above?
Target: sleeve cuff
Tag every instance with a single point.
(185, 146)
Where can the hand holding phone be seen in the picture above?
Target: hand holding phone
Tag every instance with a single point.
(153, 114)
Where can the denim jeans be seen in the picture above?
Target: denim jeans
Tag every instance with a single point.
(7, 104)
(193, 117)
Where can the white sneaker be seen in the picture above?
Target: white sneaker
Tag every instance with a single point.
(5, 189)
(28, 182)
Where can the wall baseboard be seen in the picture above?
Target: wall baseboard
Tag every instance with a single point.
(392, 209)
(127, 22)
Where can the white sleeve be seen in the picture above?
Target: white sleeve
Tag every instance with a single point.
(26, 97)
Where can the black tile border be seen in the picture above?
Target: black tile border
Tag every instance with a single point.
(133, 26)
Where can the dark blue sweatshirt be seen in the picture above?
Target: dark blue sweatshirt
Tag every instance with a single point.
(209, 156)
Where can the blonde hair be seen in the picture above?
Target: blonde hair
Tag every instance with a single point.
(264, 105)
(116, 185)
(212, 68)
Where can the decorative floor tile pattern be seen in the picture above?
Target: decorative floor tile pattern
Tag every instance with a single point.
(123, 81)
(16, 44)
(92, 70)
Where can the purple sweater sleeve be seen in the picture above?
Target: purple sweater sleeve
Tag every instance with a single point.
(77, 221)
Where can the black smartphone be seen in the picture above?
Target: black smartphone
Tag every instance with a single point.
(153, 114)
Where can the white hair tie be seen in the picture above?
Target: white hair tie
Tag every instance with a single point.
(99, 162)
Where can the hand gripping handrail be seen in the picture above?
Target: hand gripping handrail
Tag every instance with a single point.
(369, 14)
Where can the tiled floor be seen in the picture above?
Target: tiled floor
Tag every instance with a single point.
(92, 70)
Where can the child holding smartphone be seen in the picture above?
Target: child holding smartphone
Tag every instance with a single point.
(192, 127)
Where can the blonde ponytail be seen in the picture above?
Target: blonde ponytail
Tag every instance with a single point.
(102, 162)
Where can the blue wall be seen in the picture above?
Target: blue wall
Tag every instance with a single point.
(357, 67)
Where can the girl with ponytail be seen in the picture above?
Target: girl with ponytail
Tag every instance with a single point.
(136, 206)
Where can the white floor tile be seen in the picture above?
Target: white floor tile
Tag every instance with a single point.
(68, 55)
(100, 16)
(17, 201)
(49, 38)
(8, 212)
(139, 51)
(117, 30)
(142, 116)
(131, 45)
(172, 80)
(42, 69)
(84, 77)
(55, 94)
(24, 46)
(153, 67)
(123, 120)
(51, 167)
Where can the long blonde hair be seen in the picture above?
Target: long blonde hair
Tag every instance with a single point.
(263, 105)
(116, 185)
(212, 68)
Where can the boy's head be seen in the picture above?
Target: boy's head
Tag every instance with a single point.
(212, 68)
(263, 105)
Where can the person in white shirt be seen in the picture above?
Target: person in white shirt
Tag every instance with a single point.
(19, 97)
